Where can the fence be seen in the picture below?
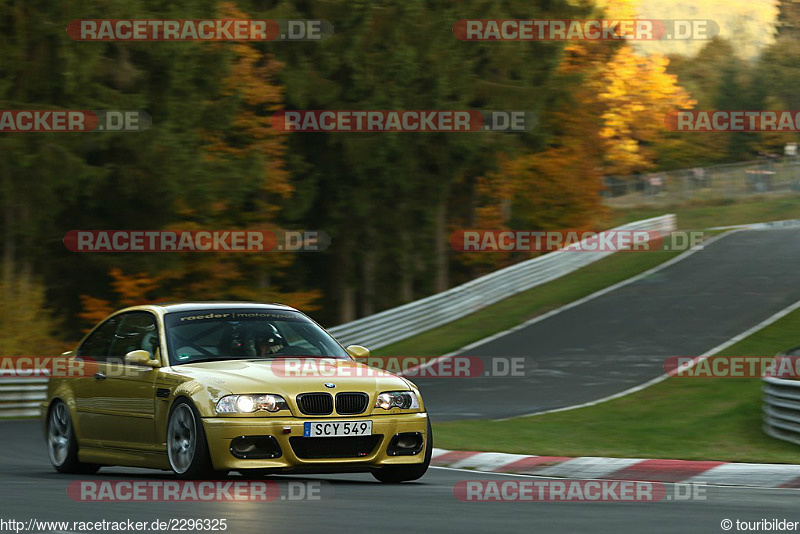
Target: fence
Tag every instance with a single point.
(729, 181)
(781, 398)
(393, 325)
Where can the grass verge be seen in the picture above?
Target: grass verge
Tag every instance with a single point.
(707, 214)
(682, 418)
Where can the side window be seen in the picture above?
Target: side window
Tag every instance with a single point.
(136, 331)
(96, 345)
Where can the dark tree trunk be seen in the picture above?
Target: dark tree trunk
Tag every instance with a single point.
(9, 239)
(368, 277)
(441, 241)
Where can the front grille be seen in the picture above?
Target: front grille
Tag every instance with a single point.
(315, 403)
(351, 403)
(338, 447)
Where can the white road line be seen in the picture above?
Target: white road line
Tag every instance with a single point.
(768, 225)
(571, 305)
(719, 348)
(734, 474)
(722, 476)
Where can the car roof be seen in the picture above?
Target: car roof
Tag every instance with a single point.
(170, 307)
(163, 308)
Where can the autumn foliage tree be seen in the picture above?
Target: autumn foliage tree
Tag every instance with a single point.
(129, 290)
(241, 187)
(246, 191)
(388, 200)
(637, 92)
(606, 118)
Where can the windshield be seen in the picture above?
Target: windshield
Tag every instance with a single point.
(236, 334)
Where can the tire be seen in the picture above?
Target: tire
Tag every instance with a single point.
(187, 447)
(394, 474)
(62, 446)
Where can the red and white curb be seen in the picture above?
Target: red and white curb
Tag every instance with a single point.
(709, 472)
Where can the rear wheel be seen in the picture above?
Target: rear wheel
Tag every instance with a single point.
(187, 448)
(62, 446)
(395, 474)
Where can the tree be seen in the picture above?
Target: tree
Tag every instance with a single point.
(388, 199)
(637, 93)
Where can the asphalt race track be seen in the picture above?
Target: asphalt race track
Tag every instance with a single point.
(621, 339)
(31, 489)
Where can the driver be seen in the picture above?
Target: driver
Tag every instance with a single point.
(264, 339)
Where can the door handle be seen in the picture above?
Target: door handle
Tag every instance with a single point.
(99, 376)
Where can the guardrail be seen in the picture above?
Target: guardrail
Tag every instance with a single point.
(20, 397)
(781, 408)
(404, 321)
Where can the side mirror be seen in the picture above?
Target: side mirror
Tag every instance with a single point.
(140, 357)
(358, 352)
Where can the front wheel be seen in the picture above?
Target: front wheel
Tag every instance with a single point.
(187, 448)
(394, 474)
(62, 446)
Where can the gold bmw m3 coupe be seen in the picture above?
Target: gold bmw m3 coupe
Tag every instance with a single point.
(206, 388)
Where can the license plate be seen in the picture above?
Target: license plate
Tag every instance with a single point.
(328, 429)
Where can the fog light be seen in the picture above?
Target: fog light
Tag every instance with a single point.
(405, 444)
(255, 447)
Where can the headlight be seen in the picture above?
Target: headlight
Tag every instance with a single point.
(251, 403)
(405, 400)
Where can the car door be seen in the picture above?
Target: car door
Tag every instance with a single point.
(121, 409)
(88, 410)
(130, 389)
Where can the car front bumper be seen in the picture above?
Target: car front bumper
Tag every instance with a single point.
(222, 431)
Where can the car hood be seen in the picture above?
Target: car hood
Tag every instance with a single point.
(290, 376)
